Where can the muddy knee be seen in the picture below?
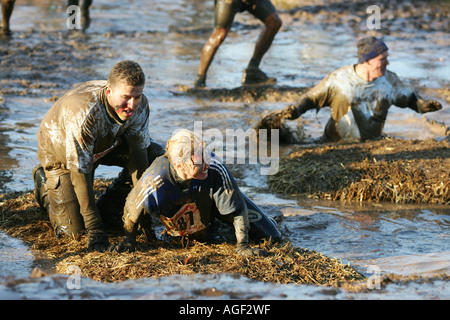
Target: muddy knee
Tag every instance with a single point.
(273, 23)
(63, 210)
(218, 37)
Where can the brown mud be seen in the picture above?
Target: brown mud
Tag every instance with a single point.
(245, 94)
(396, 15)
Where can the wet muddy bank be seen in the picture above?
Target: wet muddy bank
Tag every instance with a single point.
(21, 217)
(159, 267)
(244, 94)
(398, 16)
(218, 287)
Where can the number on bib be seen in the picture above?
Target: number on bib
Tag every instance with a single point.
(186, 221)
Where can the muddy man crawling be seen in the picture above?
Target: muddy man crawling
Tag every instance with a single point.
(359, 97)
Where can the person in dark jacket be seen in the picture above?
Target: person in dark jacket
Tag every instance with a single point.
(186, 189)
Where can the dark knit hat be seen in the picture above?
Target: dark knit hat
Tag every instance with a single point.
(369, 48)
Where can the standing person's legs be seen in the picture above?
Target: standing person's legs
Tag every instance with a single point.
(85, 18)
(7, 9)
(225, 12)
(209, 50)
(266, 12)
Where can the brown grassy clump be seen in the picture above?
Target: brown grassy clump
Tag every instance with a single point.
(21, 217)
(283, 264)
(388, 170)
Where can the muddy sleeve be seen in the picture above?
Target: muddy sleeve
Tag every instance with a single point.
(406, 98)
(229, 200)
(83, 185)
(225, 191)
(138, 138)
(138, 162)
(81, 135)
(135, 204)
(417, 103)
(241, 225)
(316, 98)
(130, 229)
(132, 212)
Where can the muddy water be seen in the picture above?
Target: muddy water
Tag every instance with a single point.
(43, 60)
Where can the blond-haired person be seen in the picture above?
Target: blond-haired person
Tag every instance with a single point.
(187, 189)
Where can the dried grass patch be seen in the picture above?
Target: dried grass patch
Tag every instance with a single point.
(387, 170)
(283, 264)
(21, 217)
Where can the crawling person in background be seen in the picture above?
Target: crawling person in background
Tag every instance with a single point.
(225, 11)
(187, 189)
(359, 96)
(97, 122)
(7, 9)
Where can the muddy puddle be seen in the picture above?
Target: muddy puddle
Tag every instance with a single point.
(42, 60)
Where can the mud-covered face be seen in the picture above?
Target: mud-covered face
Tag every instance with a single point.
(124, 98)
(377, 66)
(196, 169)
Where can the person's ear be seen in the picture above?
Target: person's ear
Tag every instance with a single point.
(108, 91)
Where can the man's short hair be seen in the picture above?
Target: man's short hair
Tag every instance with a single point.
(126, 71)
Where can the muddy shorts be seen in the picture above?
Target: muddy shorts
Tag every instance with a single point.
(225, 10)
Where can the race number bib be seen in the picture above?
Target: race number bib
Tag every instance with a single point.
(186, 221)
